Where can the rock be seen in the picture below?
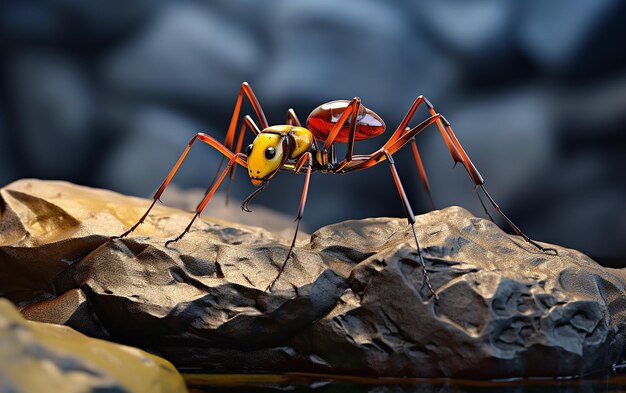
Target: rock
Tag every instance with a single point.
(38, 357)
(579, 36)
(142, 158)
(8, 171)
(71, 23)
(182, 56)
(351, 300)
(55, 107)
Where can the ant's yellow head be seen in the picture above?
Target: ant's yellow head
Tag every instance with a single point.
(265, 156)
(272, 147)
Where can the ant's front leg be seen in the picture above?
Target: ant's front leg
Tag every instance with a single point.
(202, 137)
(208, 197)
(307, 158)
(244, 91)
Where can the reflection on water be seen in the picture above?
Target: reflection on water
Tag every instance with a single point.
(614, 381)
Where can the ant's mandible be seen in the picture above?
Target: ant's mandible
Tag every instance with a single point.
(293, 148)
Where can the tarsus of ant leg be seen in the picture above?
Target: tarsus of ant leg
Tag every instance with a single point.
(282, 267)
(183, 232)
(513, 226)
(485, 208)
(208, 196)
(419, 254)
(141, 220)
(244, 204)
(410, 217)
(308, 157)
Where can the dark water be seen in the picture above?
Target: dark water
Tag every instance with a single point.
(612, 381)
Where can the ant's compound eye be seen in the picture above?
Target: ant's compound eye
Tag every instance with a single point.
(270, 153)
(249, 150)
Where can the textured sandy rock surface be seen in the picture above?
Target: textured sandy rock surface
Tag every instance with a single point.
(351, 300)
(42, 357)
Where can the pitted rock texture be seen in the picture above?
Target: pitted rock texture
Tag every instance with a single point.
(351, 300)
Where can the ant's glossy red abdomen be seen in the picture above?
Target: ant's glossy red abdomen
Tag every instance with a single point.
(325, 116)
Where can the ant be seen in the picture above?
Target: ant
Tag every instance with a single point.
(291, 147)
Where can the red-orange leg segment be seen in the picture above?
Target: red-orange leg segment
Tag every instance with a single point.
(306, 158)
(367, 161)
(422, 170)
(292, 118)
(353, 107)
(375, 158)
(351, 112)
(247, 91)
(248, 123)
(407, 118)
(239, 159)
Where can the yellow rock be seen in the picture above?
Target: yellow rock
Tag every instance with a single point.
(42, 357)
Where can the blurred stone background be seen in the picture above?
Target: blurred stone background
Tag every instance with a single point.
(108, 95)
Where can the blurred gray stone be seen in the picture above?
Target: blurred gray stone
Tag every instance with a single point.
(556, 34)
(70, 22)
(186, 54)
(8, 171)
(55, 108)
(153, 139)
(478, 31)
(351, 300)
(507, 137)
(331, 53)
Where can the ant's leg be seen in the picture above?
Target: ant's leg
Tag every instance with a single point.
(292, 118)
(410, 217)
(248, 123)
(450, 143)
(351, 112)
(306, 158)
(354, 105)
(208, 196)
(467, 163)
(244, 90)
(202, 137)
(422, 170)
(247, 91)
(403, 127)
(479, 182)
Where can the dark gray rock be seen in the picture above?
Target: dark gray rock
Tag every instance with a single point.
(8, 170)
(556, 35)
(56, 108)
(186, 54)
(141, 159)
(73, 23)
(351, 301)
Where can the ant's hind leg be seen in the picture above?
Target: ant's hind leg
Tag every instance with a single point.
(479, 182)
(422, 170)
(459, 155)
(411, 218)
